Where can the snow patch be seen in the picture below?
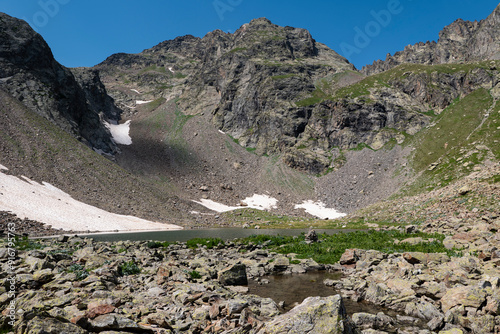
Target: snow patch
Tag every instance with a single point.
(142, 102)
(217, 207)
(222, 132)
(3, 168)
(136, 91)
(260, 202)
(120, 132)
(50, 205)
(171, 69)
(319, 210)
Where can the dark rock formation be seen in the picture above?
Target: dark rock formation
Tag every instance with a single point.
(31, 74)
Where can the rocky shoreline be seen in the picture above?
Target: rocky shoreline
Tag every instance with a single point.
(27, 227)
(78, 285)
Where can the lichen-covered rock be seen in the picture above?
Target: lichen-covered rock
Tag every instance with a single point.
(43, 325)
(463, 295)
(315, 315)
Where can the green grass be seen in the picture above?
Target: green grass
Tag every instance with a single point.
(129, 268)
(194, 274)
(26, 244)
(154, 68)
(237, 50)
(157, 244)
(317, 96)
(208, 242)
(441, 149)
(179, 75)
(79, 270)
(155, 104)
(331, 247)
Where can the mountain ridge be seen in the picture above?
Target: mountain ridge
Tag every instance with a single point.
(458, 42)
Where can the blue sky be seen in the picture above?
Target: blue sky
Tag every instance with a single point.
(85, 32)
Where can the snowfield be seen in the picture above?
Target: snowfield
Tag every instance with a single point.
(50, 205)
(120, 132)
(319, 210)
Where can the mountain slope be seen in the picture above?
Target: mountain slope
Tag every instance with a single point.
(291, 103)
(34, 147)
(30, 73)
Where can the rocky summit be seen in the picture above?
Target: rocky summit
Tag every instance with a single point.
(248, 130)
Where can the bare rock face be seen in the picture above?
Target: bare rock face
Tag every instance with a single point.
(30, 73)
(461, 41)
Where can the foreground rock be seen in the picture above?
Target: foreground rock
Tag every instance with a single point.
(315, 315)
(78, 285)
(444, 293)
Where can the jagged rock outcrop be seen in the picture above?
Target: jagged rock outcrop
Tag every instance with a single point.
(30, 73)
(461, 41)
(275, 90)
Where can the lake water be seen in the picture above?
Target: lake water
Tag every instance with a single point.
(185, 235)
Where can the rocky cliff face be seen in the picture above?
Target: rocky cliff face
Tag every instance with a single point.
(460, 41)
(30, 73)
(275, 90)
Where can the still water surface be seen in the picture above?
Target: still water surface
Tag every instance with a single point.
(185, 235)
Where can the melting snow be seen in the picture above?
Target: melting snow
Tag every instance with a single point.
(120, 132)
(142, 102)
(217, 207)
(260, 202)
(48, 204)
(3, 168)
(319, 210)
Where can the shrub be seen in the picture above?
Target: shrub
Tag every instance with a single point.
(80, 272)
(194, 274)
(129, 268)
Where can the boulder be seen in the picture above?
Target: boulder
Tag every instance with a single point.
(463, 295)
(364, 320)
(351, 256)
(116, 322)
(311, 236)
(43, 325)
(425, 258)
(315, 315)
(234, 275)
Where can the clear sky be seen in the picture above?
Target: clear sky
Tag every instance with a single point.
(85, 32)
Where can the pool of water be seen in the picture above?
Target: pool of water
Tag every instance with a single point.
(185, 235)
(293, 289)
